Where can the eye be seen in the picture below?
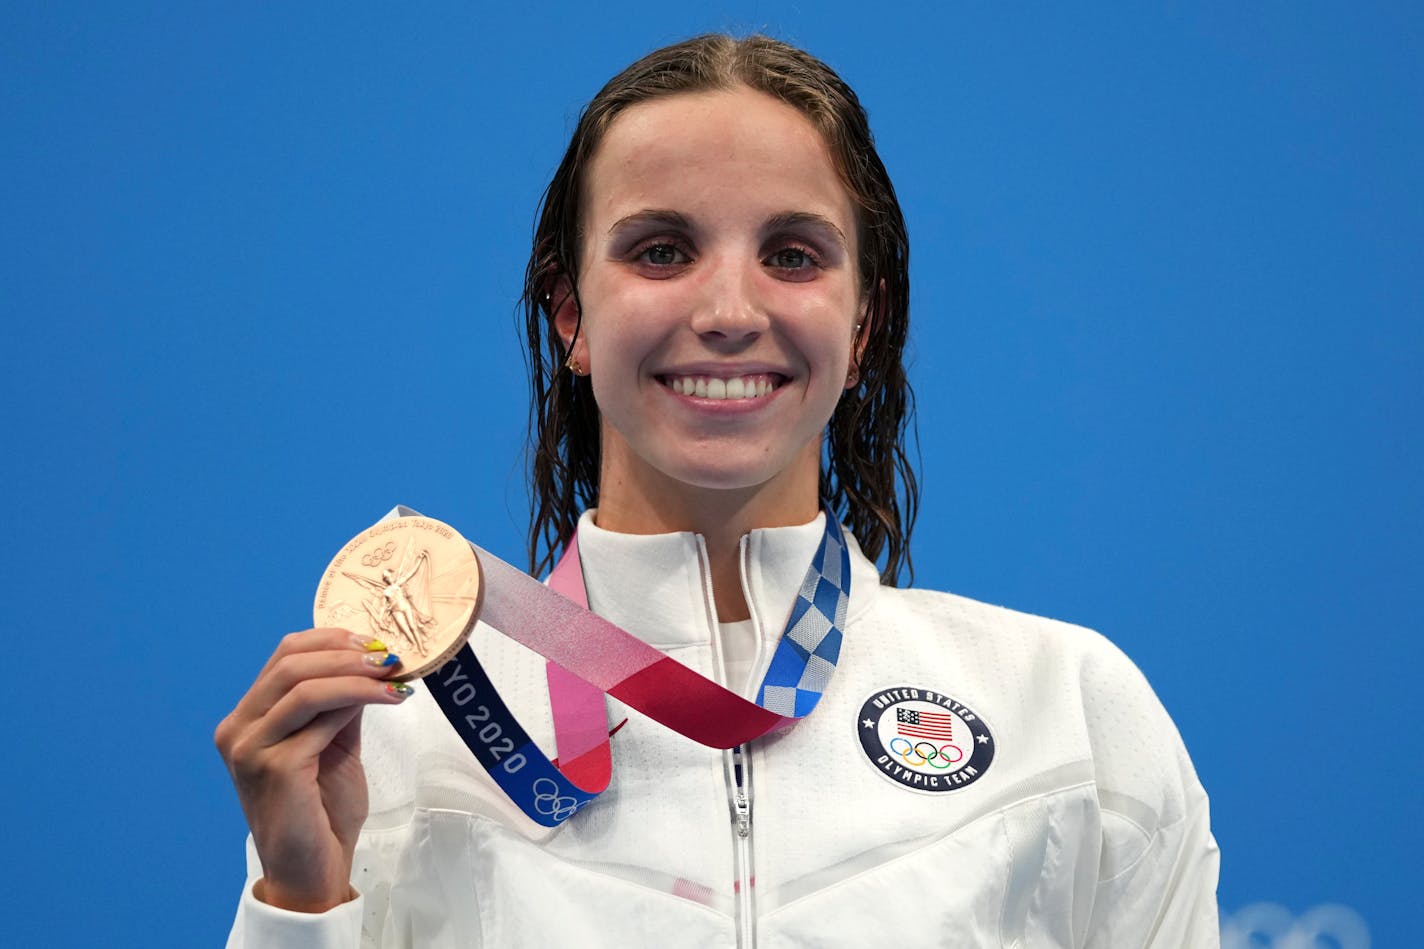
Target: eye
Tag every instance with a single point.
(794, 260)
(662, 254)
(791, 258)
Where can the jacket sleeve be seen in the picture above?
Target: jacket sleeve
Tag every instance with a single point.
(1158, 863)
(268, 927)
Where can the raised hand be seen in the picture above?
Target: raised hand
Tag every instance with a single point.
(293, 747)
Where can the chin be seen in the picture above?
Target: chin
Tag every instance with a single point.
(665, 460)
(720, 476)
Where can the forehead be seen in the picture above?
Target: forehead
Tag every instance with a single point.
(711, 154)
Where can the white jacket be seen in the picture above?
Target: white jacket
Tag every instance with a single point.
(1087, 828)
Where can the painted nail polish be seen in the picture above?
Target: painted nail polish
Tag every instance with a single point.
(368, 643)
(399, 689)
(381, 660)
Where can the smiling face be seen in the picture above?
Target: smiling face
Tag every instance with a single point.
(720, 298)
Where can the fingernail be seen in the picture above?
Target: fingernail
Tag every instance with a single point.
(381, 660)
(368, 643)
(399, 689)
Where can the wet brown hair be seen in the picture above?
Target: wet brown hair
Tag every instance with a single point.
(866, 476)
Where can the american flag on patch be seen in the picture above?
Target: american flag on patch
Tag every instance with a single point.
(916, 724)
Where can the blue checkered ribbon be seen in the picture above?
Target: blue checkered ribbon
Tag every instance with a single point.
(805, 659)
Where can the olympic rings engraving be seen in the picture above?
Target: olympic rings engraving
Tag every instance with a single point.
(926, 754)
(550, 803)
(380, 555)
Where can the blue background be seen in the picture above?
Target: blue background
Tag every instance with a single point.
(1167, 347)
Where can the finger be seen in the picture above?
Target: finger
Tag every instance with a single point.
(314, 640)
(339, 729)
(278, 744)
(353, 661)
(347, 657)
(310, 698)
(348, 737)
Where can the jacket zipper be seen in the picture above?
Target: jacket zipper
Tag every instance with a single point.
(745, 881)
(737, 777)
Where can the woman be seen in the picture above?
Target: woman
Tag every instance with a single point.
(717, 302)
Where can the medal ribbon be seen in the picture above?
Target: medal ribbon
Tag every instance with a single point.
(589, 656)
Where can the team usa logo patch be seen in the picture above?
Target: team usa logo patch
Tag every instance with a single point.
(924, 739)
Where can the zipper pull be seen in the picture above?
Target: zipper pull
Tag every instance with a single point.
(741, 805)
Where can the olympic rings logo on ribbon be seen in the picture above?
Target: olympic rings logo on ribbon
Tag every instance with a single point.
(380, 555)
(549, 802)
(927, 753)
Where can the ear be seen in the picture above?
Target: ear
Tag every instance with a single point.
(871, 305)
(563, 309)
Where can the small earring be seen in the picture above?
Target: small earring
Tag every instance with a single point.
(853, 377)
(573, 365)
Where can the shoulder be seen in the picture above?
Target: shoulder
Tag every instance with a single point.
(1023, 640)
(1069, 714)
(1066, 689)
(1015, 637)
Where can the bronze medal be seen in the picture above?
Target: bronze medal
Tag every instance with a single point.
(411, 582)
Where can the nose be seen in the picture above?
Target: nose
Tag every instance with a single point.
(729, 309)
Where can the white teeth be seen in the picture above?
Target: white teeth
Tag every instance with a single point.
(711, 387)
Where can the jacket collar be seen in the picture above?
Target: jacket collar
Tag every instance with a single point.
(658, 586)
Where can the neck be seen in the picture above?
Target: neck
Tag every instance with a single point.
(652, 503)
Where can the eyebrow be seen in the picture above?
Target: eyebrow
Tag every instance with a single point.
(652, 216)
(786, 220)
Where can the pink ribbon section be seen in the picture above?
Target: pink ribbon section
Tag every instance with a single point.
(586, 650)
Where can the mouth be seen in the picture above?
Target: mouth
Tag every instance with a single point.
(752, 386)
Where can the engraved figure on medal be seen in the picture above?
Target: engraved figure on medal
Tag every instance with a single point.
(412, 582)
(399, 604)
